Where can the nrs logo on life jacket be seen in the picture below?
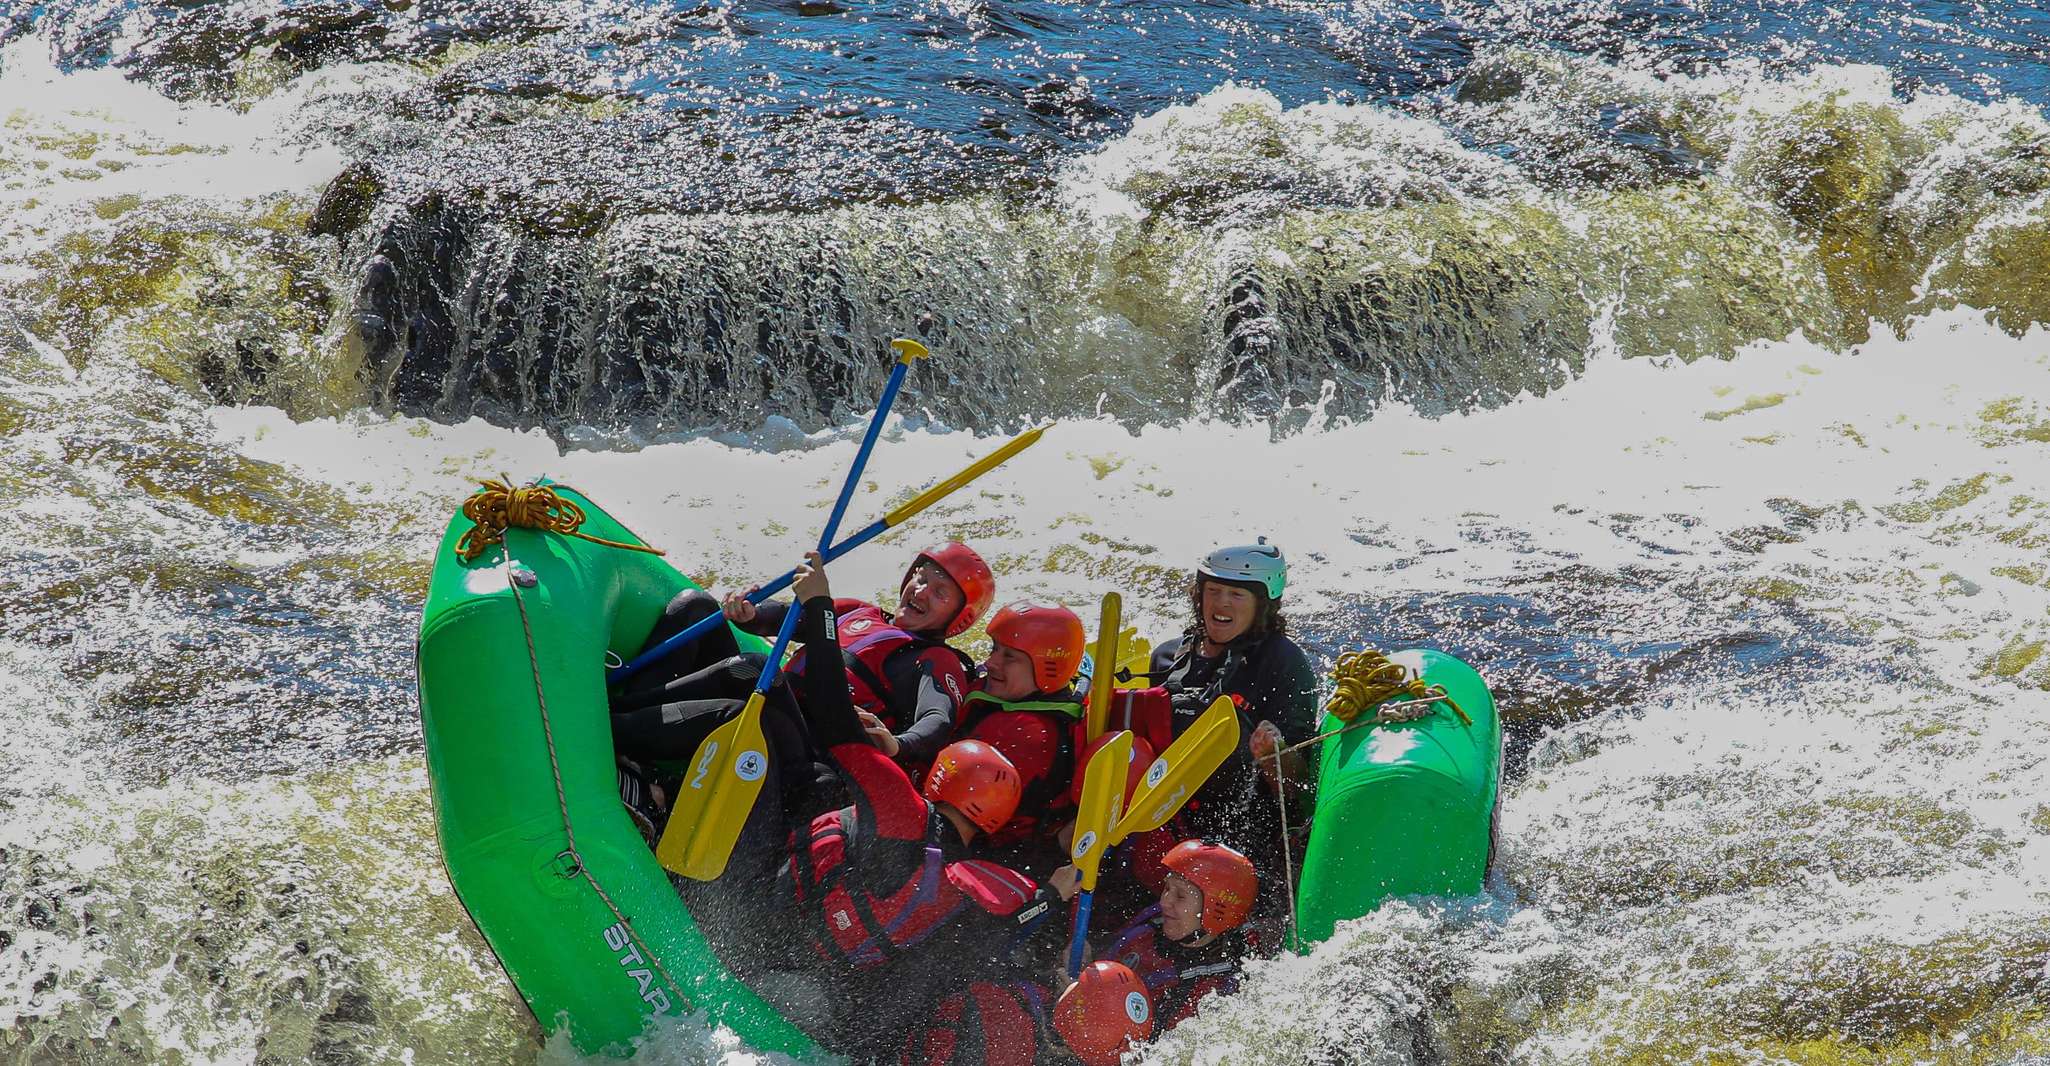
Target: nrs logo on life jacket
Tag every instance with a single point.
(618, 939)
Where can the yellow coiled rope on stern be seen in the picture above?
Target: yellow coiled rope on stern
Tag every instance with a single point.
(499, 506)
(1366, 678)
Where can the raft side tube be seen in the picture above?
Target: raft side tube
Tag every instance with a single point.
(500, 817)
(1403, 808)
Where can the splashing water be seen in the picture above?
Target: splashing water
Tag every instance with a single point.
(1771, 630)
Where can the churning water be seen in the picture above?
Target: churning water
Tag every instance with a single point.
(1684, 366)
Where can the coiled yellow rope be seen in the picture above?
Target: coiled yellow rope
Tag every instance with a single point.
(499, 506)
(1366, 678)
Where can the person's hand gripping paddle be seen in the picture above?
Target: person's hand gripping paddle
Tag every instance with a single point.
(725, 775)
(1168, 784)
(898, 515)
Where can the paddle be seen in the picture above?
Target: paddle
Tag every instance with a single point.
(1103, 796)
(1169, 782)
(1105, 658)
(726, 773)
(874, 529)
(1135, 657)
(1181, 770)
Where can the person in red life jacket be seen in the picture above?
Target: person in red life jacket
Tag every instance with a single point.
(898, 668)
(884, 893)
(1025, 706)
(1190, 943)
(993, 1023)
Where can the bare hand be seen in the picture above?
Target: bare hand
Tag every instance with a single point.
(738, 607)
(811, 579)
(1067, 881)
(879, 734)
(1265, 741)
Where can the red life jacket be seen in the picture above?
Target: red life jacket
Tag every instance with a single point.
(874, 898)
(867, 640)
(1044, 793)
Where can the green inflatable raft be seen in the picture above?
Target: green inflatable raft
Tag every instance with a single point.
(513, 649)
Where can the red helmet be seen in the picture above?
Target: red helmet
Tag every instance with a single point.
(1052, 636)
(1225, 877)
(976, 780)
(1099, 1015)
(1142, 757)
(978, 584)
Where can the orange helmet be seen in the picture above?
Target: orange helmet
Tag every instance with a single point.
(978, 584)
(1224, 875)
(1142, 757)
(976, 780)
(1099, 1015)
(1052, 636)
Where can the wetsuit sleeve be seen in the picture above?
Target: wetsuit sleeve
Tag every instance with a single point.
(768, 618)
(937, 683)
(1285, 693)
(883, 796)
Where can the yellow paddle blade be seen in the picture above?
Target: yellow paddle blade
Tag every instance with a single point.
(1181, 770)
(1103, 800)
(716, 797)
(1104, 657)
(1135, 657)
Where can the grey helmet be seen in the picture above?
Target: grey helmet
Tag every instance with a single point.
(1259, 564)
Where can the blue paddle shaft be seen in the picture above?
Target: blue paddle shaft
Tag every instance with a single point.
(1080, 943)
(868, 443)
(775, 664)
(827, 549)
(712, 621)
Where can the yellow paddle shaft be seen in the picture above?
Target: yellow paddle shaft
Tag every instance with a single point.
(1106, 659)
(974, 470)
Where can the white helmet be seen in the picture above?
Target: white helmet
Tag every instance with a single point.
(1260, 564)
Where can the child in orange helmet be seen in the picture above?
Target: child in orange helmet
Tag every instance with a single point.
(1190, 943)
(1025, 706)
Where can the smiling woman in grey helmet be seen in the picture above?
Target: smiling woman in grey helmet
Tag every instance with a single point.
(1238, 645)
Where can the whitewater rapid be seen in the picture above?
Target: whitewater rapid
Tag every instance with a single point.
(1748, 529)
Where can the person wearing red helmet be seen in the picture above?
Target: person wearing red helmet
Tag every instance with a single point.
(900, 670)
(1025, 706)
(1190, 943)
(884, 900)
(990, 1023)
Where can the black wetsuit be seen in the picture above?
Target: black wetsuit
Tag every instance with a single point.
(1275, 682)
